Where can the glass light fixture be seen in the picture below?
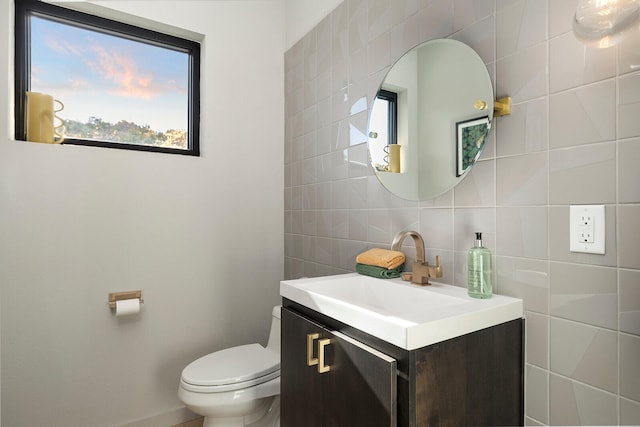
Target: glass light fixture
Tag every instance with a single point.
(604, 23)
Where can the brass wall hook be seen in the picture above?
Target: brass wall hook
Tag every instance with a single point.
(501, 106)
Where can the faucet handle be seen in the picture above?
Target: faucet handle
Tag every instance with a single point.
(422, 272)
(437, 270)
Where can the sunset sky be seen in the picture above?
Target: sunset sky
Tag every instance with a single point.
(109, 77)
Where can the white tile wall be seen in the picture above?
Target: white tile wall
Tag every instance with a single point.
(573, 138)
(583, 115)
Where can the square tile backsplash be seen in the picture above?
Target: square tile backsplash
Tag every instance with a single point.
(572, 138)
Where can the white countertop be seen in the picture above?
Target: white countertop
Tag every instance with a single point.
(404, 314)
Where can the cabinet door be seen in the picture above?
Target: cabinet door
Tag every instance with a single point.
(358, 387)
(300, 384)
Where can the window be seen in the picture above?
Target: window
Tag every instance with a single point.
(122, 86)
(383, 126)
(387, 102)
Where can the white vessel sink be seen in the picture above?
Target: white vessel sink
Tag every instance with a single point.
(406, 315)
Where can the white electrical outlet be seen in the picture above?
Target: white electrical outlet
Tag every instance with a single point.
(586, 229)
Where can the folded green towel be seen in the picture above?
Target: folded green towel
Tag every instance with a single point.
(379, 272)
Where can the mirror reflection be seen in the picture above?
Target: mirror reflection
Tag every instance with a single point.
(430, 119)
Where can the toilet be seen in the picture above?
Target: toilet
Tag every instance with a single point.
(237, 386)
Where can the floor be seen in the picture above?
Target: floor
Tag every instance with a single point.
(193, 423)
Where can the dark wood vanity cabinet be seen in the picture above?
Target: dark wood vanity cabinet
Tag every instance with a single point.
(475, 379)
(328, 379)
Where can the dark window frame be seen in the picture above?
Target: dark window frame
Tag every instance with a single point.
(392, 119)
(24, 9)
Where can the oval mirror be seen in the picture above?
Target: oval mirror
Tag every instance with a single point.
(430, 119)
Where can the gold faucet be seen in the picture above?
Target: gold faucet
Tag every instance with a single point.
(421, 270)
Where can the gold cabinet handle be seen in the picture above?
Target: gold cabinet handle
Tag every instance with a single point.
(310, 359)
(322, 368)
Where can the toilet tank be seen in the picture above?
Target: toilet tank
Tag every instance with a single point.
(274, 333)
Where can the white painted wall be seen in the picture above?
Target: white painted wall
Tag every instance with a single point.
(202, 237)
(303, 15)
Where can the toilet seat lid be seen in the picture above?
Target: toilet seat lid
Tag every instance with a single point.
(233, 365)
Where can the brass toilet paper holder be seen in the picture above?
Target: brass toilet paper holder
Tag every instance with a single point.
(118, 296)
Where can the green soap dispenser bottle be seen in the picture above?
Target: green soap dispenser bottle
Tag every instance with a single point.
(479, 270)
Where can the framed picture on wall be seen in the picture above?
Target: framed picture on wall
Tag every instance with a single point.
(470, 138)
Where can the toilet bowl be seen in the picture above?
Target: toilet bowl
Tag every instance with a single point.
(237, 386)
